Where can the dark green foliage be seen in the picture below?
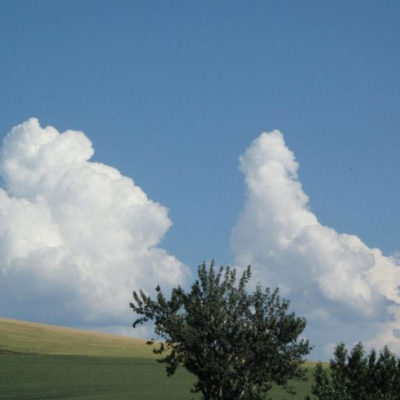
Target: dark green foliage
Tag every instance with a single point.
(236, 343)
(357, 376)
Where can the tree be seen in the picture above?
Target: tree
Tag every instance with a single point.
(357, 376)
(236, 343)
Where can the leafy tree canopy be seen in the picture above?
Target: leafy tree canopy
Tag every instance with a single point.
(357, 376)
(236, 343)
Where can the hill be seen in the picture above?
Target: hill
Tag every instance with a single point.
(34, 338)
(39, 361)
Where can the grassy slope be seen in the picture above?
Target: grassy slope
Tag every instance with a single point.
(64, 363)
(30, 337)
(29, 377)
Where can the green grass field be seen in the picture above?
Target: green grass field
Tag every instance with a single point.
(46, 362)
(30, 337)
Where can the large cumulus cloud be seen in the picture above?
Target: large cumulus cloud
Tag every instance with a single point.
(346, 290)
(76, 237)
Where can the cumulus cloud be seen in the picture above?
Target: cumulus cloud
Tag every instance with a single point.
(76, 237)
(346, 290)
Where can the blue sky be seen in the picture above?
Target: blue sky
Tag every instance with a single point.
(171, 93)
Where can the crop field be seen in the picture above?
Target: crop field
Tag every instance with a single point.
(44, 362)
(75, 377)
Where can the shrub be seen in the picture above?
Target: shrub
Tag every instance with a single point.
(357, 376)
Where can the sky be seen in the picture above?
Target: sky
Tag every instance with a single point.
(164, 163)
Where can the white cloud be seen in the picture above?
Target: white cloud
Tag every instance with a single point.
(346, 290)
(76, 237)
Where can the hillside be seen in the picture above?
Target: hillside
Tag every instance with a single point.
(41, 361)
(34, 338)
